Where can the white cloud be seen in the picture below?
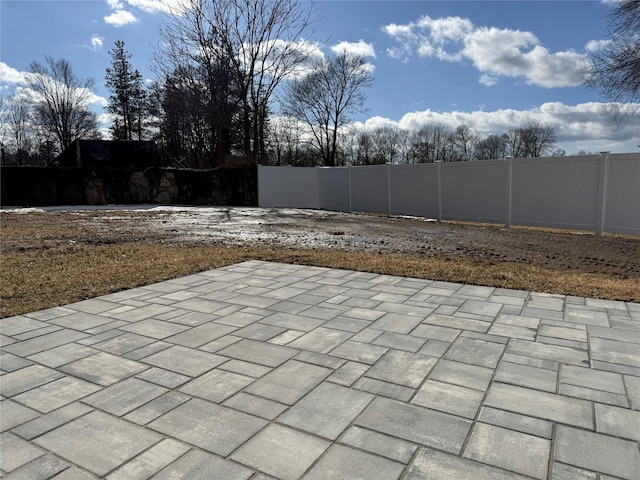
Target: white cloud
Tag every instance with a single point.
(120, 18)
(160, 6)
(94, 99)
(266, 52)
(493, 51)
(488, 80)
(97, 42)
(115, 4)
(585, 122)
(596, 45)
(10, 75)
(360, 48)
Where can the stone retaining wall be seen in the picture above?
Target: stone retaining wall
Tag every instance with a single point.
(41, 186)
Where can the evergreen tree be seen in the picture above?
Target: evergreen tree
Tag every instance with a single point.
(129, 102)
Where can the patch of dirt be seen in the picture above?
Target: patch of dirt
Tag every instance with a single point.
(28, 229)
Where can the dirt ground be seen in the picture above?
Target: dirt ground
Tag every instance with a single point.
(615, 255)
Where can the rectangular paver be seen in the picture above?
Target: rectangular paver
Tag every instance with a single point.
(187, 361)
(103, 368)
(619, 422)
(321, 340)
(259, 352)
(548, 406)
(510, 450)
(118, 442)
(198, 465)
(475, 352)
(431, 463)
(56, 394)
(217, 385)
(602, 453)
(517, 422)
(121, 398)
(416, 424)
(463, 374)
(402, 368)
(290, 382)
(359, 352)
(212, 427)
(461, 401)
(327, 410)
(354, 465)
(281, 452)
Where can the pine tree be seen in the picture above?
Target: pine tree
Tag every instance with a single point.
(129, 102)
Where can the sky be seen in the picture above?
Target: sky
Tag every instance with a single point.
(492, 65)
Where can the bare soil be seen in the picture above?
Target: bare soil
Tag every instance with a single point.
(267, 233)
(614, 255)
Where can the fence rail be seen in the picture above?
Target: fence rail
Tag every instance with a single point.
(600, 193)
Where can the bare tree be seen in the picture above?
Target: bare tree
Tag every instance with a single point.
(16, 118)
(60, 101)
(326, 98)
(514, 144)
(433, 143)
(465, 141)
(492, 147)
(367, 152)
(537, 139)
(387, 141)
(285, 141)
(404, 146)
(614, 69)
(258, 41)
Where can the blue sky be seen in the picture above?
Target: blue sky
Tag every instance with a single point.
(493, 65)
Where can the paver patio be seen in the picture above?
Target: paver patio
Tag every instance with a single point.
(263, 370)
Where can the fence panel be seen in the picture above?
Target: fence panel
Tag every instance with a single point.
(622, 207)
(303, 187)
(589, 192)
(333, 186)
(556, 192)
(414, 190)
(475, 191)
(273, 187)
(369, 189)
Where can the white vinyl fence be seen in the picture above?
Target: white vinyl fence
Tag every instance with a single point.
(590, 192)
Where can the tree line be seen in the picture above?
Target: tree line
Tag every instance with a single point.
(236, 78)
(392, 144)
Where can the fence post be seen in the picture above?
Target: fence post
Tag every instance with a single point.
(260, 189)
(388, 189)
(349, 177)
(602, 193)
(509, 164)
(439, 188)
(289, 167)
(318, 201)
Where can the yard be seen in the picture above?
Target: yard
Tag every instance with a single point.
(55, 256)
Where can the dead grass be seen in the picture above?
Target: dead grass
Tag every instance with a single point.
(38, 278)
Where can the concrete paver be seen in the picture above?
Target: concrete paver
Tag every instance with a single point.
(460, 401)
(117, 442)
(271, 371)
(327, 401)
(350, 464)
(514, 451)
(281, 452)
(602, 453)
